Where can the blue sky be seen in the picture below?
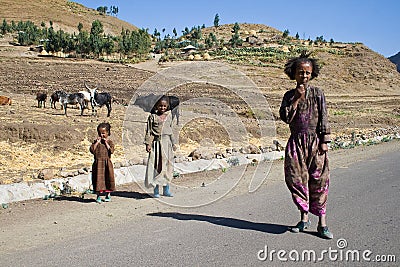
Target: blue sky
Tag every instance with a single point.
(372, 22)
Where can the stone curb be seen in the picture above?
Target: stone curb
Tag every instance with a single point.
(81, 183)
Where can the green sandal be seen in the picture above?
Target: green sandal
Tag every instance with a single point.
(323, 232)
(300, 226)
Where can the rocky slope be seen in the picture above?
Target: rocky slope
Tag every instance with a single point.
(65, 15)
(396, 60)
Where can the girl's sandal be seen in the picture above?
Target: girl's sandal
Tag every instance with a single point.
(98, 200)
(323, 232)
(300, 226)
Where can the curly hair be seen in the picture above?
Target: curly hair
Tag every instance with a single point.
(104, 125)
(164, 98)
(292, 64)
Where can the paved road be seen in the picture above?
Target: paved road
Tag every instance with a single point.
(237, 231)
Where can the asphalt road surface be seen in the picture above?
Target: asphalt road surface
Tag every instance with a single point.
(246, 229)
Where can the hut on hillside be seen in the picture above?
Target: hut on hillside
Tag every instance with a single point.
(189, 49)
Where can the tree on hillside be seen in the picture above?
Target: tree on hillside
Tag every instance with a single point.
(82, 41)
(297, 36)
(57, 41)
(4, 27)
(125, 42)
(185, 31)
(157, 34)
(175, 32)
(142, 41)
(214, 38)
(80, 26)
(49, 45)
(173, 43)
(236, 28)
(28, 33)
(216, 20)
(113, 11)
(320, 39)
(95, 43)
(102, 9)
(65, 41)
(43, 31)
(13, 26)
(195, 33)
(135, 42)
(236, 40)
(95, 38)
(108, 44)
(211, 40)
(285, 33)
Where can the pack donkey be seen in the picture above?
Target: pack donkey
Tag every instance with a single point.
(55, 97)
(99, 99)
(71, 99)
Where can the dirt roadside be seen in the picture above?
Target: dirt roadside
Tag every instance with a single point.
(35, 222)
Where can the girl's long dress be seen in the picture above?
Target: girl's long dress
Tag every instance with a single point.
(306, 171)
(160, 167)
(103, 179)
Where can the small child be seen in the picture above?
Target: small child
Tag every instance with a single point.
(102, 169)
(306, 158)
(160, 145)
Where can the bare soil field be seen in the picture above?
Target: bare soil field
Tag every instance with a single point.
(33, 138)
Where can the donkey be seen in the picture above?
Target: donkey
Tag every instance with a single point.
(72, 99)
(41, 99)
(99, 99)
(55, 97)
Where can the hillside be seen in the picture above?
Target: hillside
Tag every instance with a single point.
(64, 14)
(348, 68)
(396, 60)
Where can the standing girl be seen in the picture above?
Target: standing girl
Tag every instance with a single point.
(160, 144)
(306, 159)
(102, 169)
